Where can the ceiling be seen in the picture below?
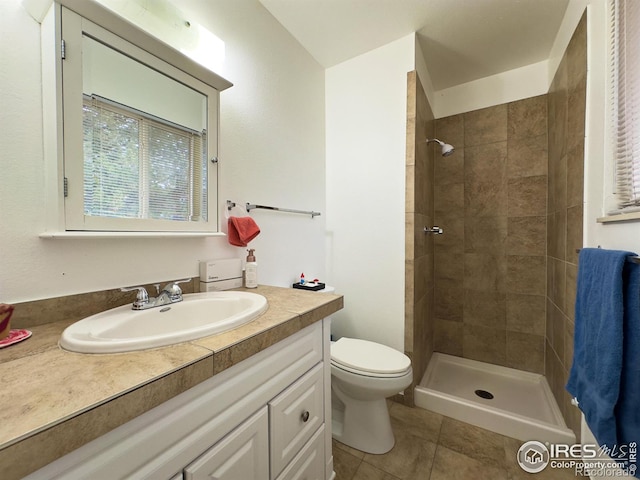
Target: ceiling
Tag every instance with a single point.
(462, 40)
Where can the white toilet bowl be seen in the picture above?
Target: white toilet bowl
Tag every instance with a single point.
(363, 375)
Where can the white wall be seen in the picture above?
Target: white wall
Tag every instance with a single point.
(366, 143)
(524, 82)
(271, 150)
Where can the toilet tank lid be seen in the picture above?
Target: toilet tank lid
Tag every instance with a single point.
(368, 356)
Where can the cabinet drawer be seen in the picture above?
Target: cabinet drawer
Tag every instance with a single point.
(309, 463)
(294, 417)
(240, 455)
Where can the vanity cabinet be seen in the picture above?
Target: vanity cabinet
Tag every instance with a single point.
(241, 454)
(265, 418)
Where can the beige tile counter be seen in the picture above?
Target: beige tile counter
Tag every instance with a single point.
(53, 401)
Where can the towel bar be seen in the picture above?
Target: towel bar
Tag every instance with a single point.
(304, 212)
(629, 258)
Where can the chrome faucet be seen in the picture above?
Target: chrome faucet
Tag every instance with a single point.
(171, 293)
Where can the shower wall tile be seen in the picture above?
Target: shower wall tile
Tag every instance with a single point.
(575, 181)
(526, 274)
(487, 125)
(576, 55)
(410, 189)
(485, 235)
(485, 186)
(419, 249)
(576, 105)
(449, 266)
(558, 286)
(549, 322)
(558, 108)
(569, 332)
(558, 326)
(527, 156)
(448, 336)
(485, 179)
(421, 281)
(526, 235)
(501, 233)
(450, 170)
(526, 313)
(571, 279)
(486, 162)
(574, 233)
(525, 352)
(484, 344)
(527, 118)
(549, 361)
(485, 272)
(559, 169)
(485, 198)
(488, 309)
(451, 130)
(528, 196)
(409, 236)
(449, 201)
(452, 240)
(448, 299)
(566, 120)
(556, 232)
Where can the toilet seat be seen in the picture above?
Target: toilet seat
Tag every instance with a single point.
(367, 358)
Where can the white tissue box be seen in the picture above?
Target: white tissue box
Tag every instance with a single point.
(221, 274)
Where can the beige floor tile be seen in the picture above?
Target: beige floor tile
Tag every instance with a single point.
(352, 451)
(344, 464)
(411, 457)
(451, 465)
(416, 421)
(480, 444)
(369, 472)
(432, 447)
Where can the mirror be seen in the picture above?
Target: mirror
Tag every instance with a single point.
(143, 157)
(140, 129)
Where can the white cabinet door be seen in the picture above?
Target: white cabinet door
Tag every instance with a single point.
(241, 455)
(295, 415)
(309, 463)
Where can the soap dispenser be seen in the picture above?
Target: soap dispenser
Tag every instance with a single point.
(251, 270)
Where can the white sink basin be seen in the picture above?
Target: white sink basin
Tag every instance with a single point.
(198, 315)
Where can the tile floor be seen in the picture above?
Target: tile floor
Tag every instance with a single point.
(430, 446)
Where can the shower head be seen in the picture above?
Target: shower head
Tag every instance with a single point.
(446, 148)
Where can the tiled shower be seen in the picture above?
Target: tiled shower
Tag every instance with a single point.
(510, 203)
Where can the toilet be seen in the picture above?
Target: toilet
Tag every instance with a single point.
(363, 375)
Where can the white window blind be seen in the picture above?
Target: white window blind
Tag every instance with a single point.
(625, 101)
(139, 166)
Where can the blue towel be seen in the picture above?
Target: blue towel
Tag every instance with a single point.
(627, 410)
(598, 343)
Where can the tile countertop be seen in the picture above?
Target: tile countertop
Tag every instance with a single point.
(53, 401)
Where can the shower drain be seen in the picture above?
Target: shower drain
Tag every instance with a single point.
(484, 394)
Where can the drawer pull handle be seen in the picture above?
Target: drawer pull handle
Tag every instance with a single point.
(305, 416)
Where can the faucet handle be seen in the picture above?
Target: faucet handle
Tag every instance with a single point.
(174, 291)
(142, 298)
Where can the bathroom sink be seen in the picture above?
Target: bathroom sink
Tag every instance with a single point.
(198, 315)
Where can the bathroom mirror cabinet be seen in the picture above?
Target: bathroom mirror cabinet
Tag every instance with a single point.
(131, 127)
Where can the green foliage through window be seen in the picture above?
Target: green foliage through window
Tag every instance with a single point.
(136, 166)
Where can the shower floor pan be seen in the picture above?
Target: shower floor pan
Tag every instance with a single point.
(522, 405)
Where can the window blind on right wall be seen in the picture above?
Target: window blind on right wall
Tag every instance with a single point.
(624, 101)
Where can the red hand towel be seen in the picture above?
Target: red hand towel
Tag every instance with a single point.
(242, 230)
